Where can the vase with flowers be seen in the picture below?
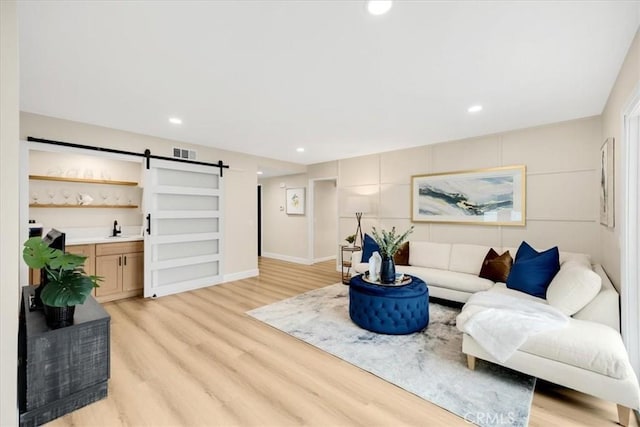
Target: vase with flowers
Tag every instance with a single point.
(389, 243)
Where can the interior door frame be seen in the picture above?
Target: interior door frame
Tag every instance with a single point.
(311, 221)
(630, 231)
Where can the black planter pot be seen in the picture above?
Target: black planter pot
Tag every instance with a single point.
(59, 317)
(387, 270)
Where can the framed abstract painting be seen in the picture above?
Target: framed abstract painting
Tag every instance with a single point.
(607, 187)
(295, 201)
(494, 196)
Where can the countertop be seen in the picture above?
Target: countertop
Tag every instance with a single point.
(93, 235)
(92, 240)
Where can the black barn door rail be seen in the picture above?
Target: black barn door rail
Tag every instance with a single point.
(147, 153)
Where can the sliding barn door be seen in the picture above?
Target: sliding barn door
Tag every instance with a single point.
(183, 220)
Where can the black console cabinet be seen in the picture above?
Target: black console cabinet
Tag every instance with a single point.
(63, 369)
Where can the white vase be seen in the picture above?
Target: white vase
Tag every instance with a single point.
(374, 267)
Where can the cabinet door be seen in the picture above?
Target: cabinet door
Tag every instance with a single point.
(133, 271)
(85, 250)
(109, 267)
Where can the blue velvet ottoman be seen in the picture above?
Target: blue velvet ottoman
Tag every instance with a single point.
(393, 310)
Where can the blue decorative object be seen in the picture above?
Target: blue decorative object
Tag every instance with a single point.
(387, 270)
(369, 247)
(393, 310)
(533, 271)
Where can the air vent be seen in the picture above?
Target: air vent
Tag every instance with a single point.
(183, 153)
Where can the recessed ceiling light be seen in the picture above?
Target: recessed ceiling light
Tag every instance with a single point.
(259, 172)
(175, 120)
(379, 7)
(475, 108)
(300, 150)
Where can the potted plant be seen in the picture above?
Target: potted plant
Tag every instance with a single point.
(67, 284)
(389, 244)
(350, 239)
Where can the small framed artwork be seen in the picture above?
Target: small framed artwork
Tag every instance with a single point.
(607, 187)
(494, 196)
(295, 201)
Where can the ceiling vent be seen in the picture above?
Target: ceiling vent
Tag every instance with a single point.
(183, 153)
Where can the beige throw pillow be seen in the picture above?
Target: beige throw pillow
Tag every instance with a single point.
(573, 287)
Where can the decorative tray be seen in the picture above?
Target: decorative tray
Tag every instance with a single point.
(401, 280)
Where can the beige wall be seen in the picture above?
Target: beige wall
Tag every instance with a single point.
(325, 218)
(283, 236)
(612, 126)
(9, 222)
(240, 181)
(562, 205)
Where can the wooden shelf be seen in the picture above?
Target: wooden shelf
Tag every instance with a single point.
(82, 180)
(41, 205)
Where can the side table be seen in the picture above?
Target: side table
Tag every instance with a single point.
(61, 370)
(346, 264)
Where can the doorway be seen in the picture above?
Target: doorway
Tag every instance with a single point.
(259, 220)
(323, 221)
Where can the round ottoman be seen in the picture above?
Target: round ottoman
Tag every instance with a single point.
(393, 310)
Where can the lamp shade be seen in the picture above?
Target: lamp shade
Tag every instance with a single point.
(358, 204)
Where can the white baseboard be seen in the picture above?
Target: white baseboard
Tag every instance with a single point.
(241, 275)
(287, 258)
(323, 259)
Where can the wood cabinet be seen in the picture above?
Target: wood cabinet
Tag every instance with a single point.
(63, 369)
(85, 250)
(121, 265)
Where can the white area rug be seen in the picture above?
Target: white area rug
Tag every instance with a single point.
(429, 364)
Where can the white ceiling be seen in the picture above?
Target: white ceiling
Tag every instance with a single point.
(265, 77)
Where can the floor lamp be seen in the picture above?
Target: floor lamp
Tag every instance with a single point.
(358, 205)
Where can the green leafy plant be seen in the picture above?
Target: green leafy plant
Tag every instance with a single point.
(351, 238)
(68, 284)
(388, 241)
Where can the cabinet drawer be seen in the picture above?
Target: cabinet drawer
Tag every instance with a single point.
(119, 248)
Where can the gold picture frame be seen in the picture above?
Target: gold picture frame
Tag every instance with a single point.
(492, 196)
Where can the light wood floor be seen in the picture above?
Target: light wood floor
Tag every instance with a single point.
(196, 359)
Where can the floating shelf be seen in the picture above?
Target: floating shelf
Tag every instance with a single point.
(41, 205)
(83, 180)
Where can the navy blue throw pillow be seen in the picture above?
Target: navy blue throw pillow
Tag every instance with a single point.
(533, 271)
(370, 246)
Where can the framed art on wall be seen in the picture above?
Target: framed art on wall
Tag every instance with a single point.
(607, 188)
(295, 201)
(494, 196)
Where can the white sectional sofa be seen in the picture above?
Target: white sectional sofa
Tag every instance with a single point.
(587, 354)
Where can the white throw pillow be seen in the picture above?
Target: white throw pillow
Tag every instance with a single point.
(573, 287)
(467, 258)
(430, 254)
(575, 256)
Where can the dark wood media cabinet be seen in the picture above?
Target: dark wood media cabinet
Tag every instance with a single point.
(61, 370)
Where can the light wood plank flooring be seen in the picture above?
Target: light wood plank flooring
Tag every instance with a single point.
(196, 359)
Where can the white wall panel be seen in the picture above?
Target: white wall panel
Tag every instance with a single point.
(395, 201)
(396, 167)
(559, 147)
(567, 235)
(477, 153)
(472, 234)
(568, 196)
(370, 191)
(359, 171)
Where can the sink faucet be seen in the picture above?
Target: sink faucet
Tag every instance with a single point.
(116, 229)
